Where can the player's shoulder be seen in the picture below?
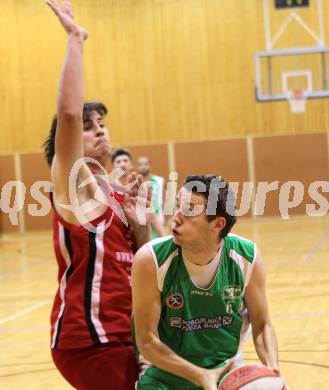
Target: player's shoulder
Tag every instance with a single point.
(163, 248)
(156, 178)
(240, 246)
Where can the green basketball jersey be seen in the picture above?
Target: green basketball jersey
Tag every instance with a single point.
(204, 326)
(157, 183)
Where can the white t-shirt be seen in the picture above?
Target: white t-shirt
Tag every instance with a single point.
(203, 275)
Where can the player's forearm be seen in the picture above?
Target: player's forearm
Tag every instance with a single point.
(70, 93)
(266, 346)
(164, 358)
(142, 234)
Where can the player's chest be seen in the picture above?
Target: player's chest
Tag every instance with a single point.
(185, 298)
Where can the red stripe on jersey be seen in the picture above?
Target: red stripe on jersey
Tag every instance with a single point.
(93, 301)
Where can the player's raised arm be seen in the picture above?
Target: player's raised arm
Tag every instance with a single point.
(262, 330)
(68, 141)
(147, 311)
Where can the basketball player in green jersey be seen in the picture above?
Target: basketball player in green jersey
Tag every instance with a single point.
(197, 293)
(157, 188)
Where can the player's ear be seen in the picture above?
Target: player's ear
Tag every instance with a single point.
(219, 223)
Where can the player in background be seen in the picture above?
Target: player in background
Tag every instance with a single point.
(157, 188)
(121, 159)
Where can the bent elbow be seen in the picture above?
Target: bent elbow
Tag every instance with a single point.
(144, 344)
(262, 328)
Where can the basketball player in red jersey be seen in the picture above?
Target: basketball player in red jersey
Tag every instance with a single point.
(90, 320)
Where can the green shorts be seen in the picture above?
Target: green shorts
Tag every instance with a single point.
(156, 379)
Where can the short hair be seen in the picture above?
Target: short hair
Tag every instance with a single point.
(225, 205)
(88, 108)
(121, 152)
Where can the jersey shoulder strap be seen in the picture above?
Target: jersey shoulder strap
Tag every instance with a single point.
(164, 251)
(242, 252)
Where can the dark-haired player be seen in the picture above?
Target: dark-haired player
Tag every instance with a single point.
(121, 159)
(91, 316)
(198, 292)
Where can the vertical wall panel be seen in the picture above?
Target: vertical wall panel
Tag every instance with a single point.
(227, 158)
(34, 169)
(7, 173)
(302, 158)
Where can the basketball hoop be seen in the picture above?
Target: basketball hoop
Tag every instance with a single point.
(297, 99)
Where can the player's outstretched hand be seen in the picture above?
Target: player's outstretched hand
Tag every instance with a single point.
(64, 13)
(138, 201)
(210, 377)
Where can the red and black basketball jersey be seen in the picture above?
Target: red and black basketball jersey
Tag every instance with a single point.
(93, 301)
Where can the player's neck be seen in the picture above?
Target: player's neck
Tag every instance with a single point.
(202, 254)
(99, 169)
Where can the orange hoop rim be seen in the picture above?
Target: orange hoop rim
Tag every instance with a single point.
(297, 94)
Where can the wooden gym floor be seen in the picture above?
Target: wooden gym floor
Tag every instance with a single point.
(296, 253)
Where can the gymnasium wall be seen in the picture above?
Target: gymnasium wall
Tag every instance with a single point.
(7, 174)
(169, 71)
(277, 159)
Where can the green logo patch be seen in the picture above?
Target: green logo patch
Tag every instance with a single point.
(231, 293)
